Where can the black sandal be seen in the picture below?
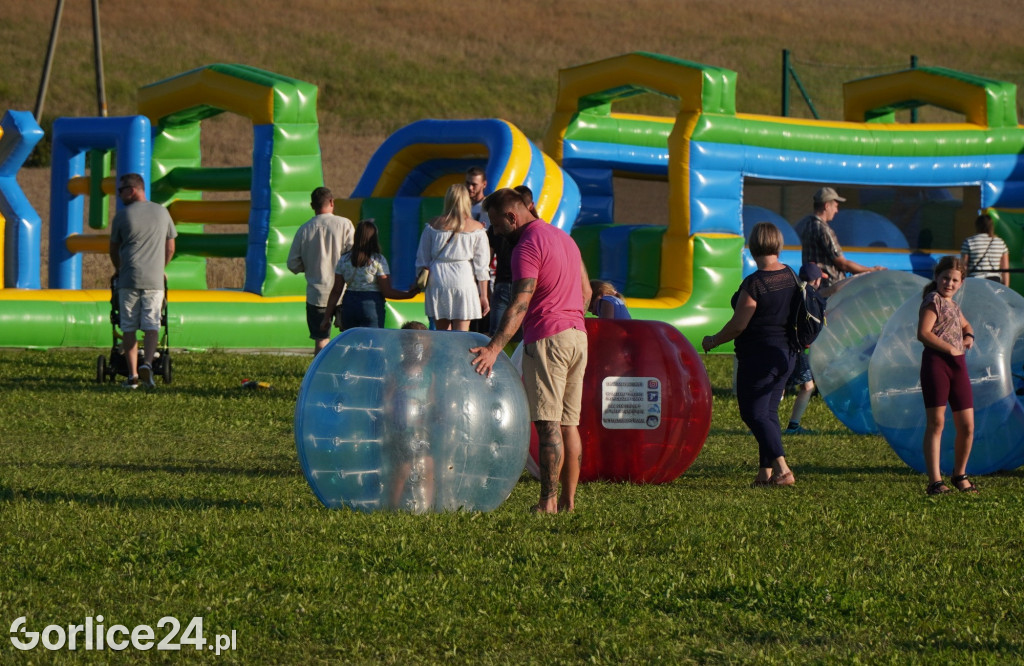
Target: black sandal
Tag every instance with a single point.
(971, 488)
(938, 488)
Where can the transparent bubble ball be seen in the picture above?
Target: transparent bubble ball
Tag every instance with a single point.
(839, 357)
(995, 367)
(400, 420)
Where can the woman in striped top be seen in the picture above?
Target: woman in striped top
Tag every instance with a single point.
(985, 254)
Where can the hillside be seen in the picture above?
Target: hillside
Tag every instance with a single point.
(382, 65)
(385, 64)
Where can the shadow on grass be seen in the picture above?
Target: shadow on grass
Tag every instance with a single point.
(185, 503)
(191, 467)
(62, 386)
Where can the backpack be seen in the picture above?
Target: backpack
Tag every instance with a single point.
(806, 315)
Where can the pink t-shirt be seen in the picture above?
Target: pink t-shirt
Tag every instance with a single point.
(549, 255)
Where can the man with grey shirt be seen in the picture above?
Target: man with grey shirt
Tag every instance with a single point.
(316, 248)
(141, 245)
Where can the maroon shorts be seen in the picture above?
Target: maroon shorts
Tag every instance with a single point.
(944, 379)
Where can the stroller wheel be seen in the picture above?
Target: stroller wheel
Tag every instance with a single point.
(101, 369)
(167, 373)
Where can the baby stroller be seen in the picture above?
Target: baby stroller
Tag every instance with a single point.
(118, 364)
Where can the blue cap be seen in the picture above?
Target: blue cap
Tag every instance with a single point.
(810, 272)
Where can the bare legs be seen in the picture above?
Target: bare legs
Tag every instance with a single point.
(130, 345)
(451, 324)
(570, 474)
(964, 422)
(803, 399)
(561, 454)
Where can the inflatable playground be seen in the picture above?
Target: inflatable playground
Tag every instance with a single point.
(913, 190)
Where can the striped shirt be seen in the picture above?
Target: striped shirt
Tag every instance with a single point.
(983, 254)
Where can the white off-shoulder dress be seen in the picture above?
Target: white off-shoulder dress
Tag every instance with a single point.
(456, 267)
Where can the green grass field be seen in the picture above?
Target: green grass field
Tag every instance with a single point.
(190, 502)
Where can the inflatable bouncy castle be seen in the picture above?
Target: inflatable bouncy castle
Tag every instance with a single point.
(681, 268)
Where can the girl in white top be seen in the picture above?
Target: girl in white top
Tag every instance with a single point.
(454, 248)
(367, 274)
(985, 254)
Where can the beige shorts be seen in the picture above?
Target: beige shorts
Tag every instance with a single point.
(553, 371)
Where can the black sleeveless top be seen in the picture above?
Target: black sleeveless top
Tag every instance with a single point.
(773, 291)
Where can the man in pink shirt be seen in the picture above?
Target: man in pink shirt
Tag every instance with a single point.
(550, 294)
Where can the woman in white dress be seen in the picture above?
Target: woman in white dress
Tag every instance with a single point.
(454, 248)
(985, 253)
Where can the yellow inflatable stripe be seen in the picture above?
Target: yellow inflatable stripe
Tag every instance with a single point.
(223, 296)
(873, 127)
(208, 88)
(551, 193)
(79, 185)
(439, 187)
(56, 295)
(964, 97)
(410, 157)
(210, 212)
(665, 120)
(519, 161)
(666, 302)
(90, 243)
(350, 208)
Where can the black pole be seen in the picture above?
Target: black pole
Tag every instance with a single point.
(48, 64)
(101, 95)
(913, 111)
(785, 82)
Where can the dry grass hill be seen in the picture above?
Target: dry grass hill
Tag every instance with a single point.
(382, 65)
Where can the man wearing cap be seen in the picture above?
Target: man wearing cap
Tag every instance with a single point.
(820, 245)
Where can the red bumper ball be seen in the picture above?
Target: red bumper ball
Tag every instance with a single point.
(646, 403)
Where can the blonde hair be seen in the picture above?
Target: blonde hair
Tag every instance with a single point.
(457, 209)
(765, 240)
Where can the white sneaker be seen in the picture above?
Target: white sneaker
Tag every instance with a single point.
(130, 383)
(146, 376)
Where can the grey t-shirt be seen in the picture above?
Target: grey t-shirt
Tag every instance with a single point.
(142, 229)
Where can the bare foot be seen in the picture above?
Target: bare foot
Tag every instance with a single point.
(543, 508)
(566, 507)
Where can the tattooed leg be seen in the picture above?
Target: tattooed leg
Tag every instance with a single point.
(550, 436)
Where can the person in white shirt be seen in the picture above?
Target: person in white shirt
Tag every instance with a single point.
(316, 248)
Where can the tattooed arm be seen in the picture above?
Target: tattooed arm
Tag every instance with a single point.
(510, 322)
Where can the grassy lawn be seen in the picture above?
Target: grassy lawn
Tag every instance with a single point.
(190, 502)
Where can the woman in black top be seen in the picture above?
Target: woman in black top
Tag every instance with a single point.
(763, 351)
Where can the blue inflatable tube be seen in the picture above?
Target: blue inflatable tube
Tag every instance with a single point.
(21, 133)
(72, 137)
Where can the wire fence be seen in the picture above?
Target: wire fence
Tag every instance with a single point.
(815, 87)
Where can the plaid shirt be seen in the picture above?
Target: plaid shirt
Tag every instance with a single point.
(821, 247)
